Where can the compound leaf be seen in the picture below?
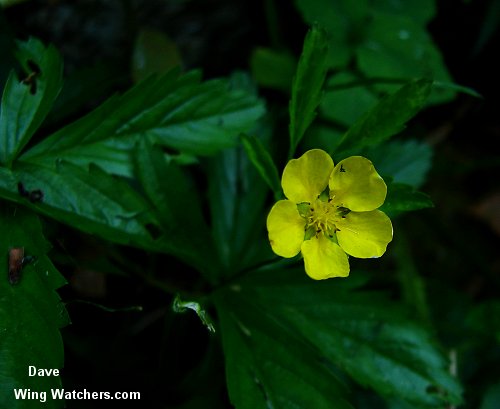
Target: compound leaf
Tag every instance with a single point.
(177, 112)
(362, 332)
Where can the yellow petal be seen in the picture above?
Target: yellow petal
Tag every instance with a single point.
(365, 234)
(355, 184)
(306, 177)
(286, 228)
(324, 259)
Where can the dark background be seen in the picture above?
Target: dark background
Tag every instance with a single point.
(455, 246)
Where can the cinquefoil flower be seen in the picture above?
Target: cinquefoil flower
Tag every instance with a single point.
(331, 212)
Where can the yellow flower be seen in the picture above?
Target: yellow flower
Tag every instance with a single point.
(330, 213)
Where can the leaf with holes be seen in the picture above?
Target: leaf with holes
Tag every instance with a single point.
(27, 100)
(90, 200)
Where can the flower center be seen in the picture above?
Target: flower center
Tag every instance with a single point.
(322, 217)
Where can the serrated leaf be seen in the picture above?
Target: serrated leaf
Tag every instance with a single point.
(176, 205)
(263, 162)
(404, 198)
(388, 117)
(90, 200)
(364, 333)
(237, 195)
(31, 312)
(98, 203)
(266, 366)
(26, 101)
(307, 84)
(180, 113)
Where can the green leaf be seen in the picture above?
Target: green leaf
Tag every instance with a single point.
(180, 113)
(237, 195)
(345, 106)
(266, 366)
(405, 161)
(176, 205)
(89, 200)
(27, 101)
(412, 284)
(31, 312)
(398, 47)
(457, 88)
(307, 84)
(381, 39)
(388, 117)
(263, 162)
(362, 332)
(404, 198)
(98, 203)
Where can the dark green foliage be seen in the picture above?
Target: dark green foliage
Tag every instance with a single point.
(165, 188)
(388, 117)
(361, 332)
(307, 84)
(27, 99)
(263, 162)
(31, 311)
(178, 112)
(404, 198)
